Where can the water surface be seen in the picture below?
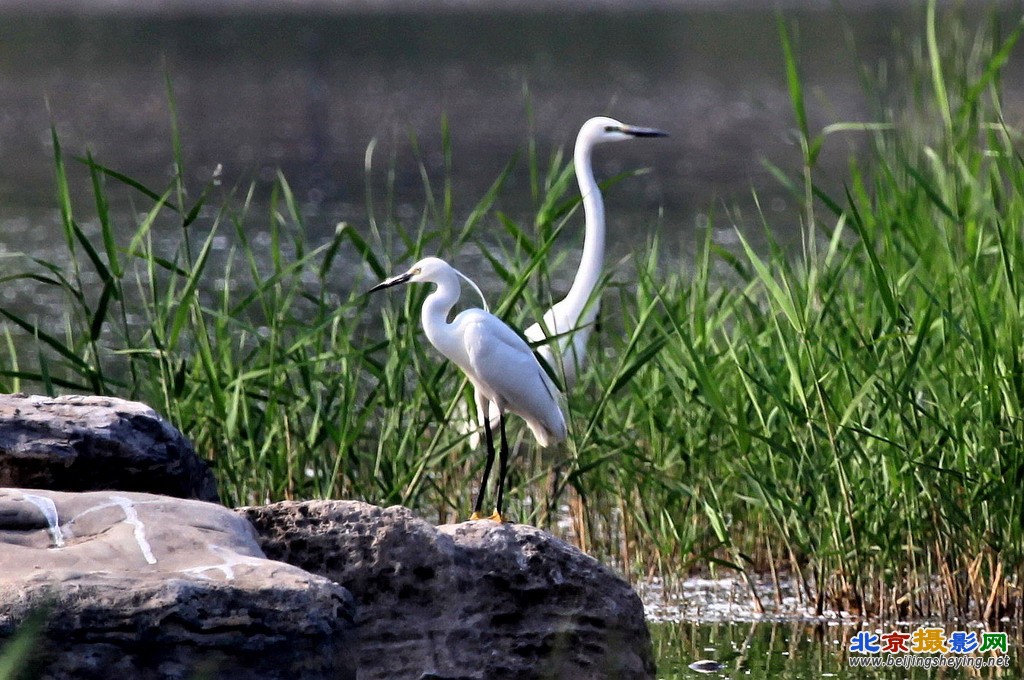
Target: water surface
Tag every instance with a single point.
(787, 650)
(306, 93)
(713, 623)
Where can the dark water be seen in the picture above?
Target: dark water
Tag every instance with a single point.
(799, 650)
(713, 620)
(307, 93)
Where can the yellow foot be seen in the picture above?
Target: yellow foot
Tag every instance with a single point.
(495, 517)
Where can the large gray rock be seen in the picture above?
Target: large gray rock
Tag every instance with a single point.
(473, 600)
(79, 443)
(143, 586)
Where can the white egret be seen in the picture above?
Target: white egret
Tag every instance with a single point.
(570, 320)
(500, 365)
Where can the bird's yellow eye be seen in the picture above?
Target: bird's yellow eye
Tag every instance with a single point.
(416, 271)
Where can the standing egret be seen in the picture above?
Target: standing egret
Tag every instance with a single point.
(571, 319)
(567, 325)
(499, 364)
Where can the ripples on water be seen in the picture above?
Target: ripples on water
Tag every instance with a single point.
(710, 628)
(306, 93)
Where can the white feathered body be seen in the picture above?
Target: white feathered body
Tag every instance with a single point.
(499, 363)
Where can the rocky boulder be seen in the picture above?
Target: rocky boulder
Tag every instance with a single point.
(80, 443)
(143, 586)
(472, 600)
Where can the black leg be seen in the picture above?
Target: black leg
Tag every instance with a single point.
(502, 466)
(489, 438)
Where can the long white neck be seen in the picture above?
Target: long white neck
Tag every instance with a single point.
(589, 271)
(434, 314)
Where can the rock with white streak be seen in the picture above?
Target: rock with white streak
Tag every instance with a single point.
(473, 600)
(89, 443)
(144, 586)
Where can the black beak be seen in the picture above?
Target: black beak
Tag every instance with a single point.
(393, 281)
(634, 131)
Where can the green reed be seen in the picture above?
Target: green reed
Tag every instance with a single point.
(848, 416)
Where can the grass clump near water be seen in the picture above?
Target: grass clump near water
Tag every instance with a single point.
(848, 416)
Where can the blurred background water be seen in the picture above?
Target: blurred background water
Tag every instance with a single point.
(305, 86)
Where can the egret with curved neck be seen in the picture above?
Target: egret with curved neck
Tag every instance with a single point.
(571, 319)
(500, 365)
(565, 328)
